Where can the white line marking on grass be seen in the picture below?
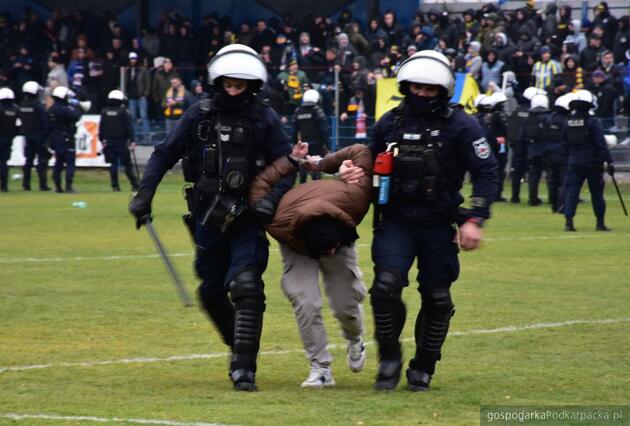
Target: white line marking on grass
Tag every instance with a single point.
(146, 360)
(18, 417)
(154, 256)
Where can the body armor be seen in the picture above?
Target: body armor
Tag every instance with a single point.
(114, 123)
(534, 131)
(577, 132)
(31, 120)
(8, 122)
(516, 124)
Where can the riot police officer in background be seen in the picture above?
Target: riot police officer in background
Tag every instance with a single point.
(518, 146)
(588, 151)
(556, 155)
(35, 129)
(493, 121)
(63, 117)
(223, 141)
(116, 132)
(535, 135)
(311, 125)
(437, 144)
(9, 123)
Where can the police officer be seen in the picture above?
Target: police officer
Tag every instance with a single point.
(35, 129)
(535, 136)
(9, 123)
(223, 141)
(310, 125)
(437, 144)
(493, 121)
(518, 146)
(556, 155)
(63, 117)
(116, 132)
(588, 151)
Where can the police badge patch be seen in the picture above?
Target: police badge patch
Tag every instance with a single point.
(482, 149)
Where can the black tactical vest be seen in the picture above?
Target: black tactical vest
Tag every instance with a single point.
(577, 132)
(307, 126)
(31, 119)
(113, 123)
(8, 121)
(516, 124)
(534, 131)
(554, 130)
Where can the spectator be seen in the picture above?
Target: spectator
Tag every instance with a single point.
(590, 56)
(622, 40)
(245, 36)
(572, 74)
(293, 82)
(78, 71)
(373, 31)
(576, 36)
(161, 79)
(526, 47)
(545, 69)
(473, 60)
(151, 43)
(608, 23)
(121, 54)
(504, 49)
(185, 54)
(263, 36)
(198, 93)
(358, 42)
(176, 100)
(346, 52)
(564, 19)
(491, 70)
(57, 75)
(606, 95)
(23, 67)
(169, 43)
(394, 32)
(138, 85)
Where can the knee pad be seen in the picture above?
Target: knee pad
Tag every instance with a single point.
(437, 301)
(388, 284)
(247, 287)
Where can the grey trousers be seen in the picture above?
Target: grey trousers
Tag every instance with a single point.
(343, 286)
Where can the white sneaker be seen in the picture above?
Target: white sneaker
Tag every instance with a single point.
(320, 377)
(356, 355)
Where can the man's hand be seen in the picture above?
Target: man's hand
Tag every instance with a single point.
(500, 140)
(299, 150)
(350, 173)
(610, 168)
(140, 208)
(469, 236)
(132, 146)
(312, 164)
(264, 209)
(343, 116)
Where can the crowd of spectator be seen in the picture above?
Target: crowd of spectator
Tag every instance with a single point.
(163, 69)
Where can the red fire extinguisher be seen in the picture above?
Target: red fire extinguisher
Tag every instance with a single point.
(383, 167)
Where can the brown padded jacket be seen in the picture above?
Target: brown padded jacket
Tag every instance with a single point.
(345, 202)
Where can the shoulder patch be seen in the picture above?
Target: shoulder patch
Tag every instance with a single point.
(482, 148)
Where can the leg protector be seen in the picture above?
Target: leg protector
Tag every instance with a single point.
(431, 328)
(221, 312)
(247, 294)
(389, 311)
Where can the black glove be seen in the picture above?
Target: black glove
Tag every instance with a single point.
(610, 168)
(265, 209)
(140, 207)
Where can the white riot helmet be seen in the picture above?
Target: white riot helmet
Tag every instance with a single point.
(427, 67)
(237, 61)
(116, 95)
(583, 99)
(497, 98)
(539, 101)
(563, 101)
(311, 96)
(478, 100)
(31, 87)
(6, 94)
(62, 92)
(530, 92)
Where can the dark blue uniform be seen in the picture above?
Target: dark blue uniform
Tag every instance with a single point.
(518, 146)
(63, 121)
(8, 130)
(534, 133)
(234, 259)
(418, 222)
(587, 152)
(35, 129)
(556, 158)
(494, 125)
(115, 132)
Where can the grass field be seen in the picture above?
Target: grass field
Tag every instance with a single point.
(542, 318)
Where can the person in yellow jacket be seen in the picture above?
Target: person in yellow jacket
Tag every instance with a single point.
(176, 100)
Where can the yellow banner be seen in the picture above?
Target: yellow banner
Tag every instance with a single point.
(387, 96)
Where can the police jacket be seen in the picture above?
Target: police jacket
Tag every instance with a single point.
(461, 146)
(535, 131)
(115, 125)
(63, 121)
(8, 123)
(311, 125)
(516, 123)
(494, 126)
(269, 141)
(584, 139)
(34, 120)
(346, 202)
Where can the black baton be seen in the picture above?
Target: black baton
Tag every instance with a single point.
(623, 205)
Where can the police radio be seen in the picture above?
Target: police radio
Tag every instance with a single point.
(383, 167)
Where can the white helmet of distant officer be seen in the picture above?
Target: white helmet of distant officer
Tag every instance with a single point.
(237, 73)
(583, 100)
(116, 97)
(539, 101)
(6, 95)
(563, 102)
(31, 88)
(311, 97)
(530, 92)
(427, 81)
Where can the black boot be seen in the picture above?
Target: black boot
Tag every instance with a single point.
(115, 188)
(418, 381)
(70, 189)
(601, 227)
(244, 380)
(568, 226)
(388, 374)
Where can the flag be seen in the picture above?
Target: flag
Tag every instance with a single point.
(466, 90)
(387, 96)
